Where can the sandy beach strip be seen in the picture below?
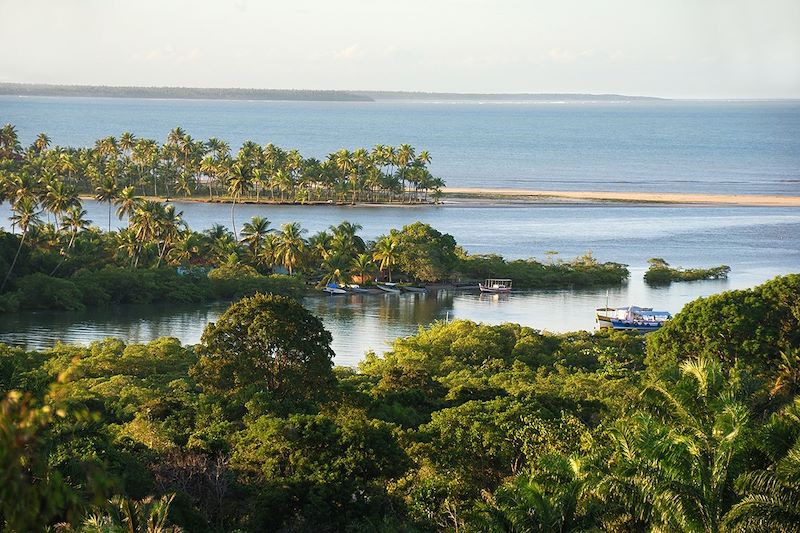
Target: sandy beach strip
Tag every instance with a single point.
(667, 197)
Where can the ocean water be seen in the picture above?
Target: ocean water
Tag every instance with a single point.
(672, 146)
(704, 147)
(757, 243)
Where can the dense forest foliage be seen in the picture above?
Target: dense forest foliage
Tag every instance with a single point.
(462, 427)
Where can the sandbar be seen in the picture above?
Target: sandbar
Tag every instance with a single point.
(644, 197)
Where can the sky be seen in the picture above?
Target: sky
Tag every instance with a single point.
(667, 48)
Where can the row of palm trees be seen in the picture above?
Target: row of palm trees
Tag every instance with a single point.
(183, 167)
(157, 233)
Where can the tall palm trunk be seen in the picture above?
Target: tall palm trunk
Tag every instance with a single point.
(14, 261)
(69, 246)
(233, 218)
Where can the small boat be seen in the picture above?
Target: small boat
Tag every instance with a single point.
(356, 288)
(388, 287)
(333, 288)
(642, 319)
(496, 286)
(413, 289)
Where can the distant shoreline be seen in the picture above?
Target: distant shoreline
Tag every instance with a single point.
(230, 93)
(755, 200)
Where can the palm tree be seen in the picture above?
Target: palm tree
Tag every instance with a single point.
(771, 496)
(239, 182)
(345, 240)
(385, 252)
(107, 192)
(543, 501)
(42, 142)
(59, 197)
(344, 162)
(73, 222)
(254, 233)
(290, 246)
(25, 215)
(186, 248)
(362, 266)
(133, 516)
(169, 229)
(128, 242)
(9, 141)
(127, 202)
(673, 466)
(403, 158)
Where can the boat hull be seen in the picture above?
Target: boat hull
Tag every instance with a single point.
(415, 289)
(333, 291)
(612, 323)
(494, 290)
(390, 290)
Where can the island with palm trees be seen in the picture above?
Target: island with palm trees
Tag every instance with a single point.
(182, 167)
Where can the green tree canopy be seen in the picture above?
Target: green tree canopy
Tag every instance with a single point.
(425, 253)
(266, 342)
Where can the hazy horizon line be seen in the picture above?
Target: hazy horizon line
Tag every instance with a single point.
(364, 92)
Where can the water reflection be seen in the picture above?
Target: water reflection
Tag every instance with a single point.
(361, 322)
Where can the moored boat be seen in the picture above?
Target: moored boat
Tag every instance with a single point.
(495, 285)
(356, 288)
(642, 319)
(408, 288)
(388, 287)
(333, 288)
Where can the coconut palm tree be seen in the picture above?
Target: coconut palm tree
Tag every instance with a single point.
(129, 244)
(126, 202)
(542, 501)
(403, 158)
(186, 248)
(73, 222)
(290, 247)
(9, 141)
(42, 142)
(59, 197)
(132, 516)
(239, 182)
(362, 266)
(254, 232)
(107, 192)
(345, 240)
(674, 464)
(385, 253)
(25, 216)
(169, 227)
(771, 499)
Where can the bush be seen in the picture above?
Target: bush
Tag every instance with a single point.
(40, 291)
(235, 281)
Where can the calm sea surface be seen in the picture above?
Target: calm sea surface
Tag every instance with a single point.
(680, 147)
(724, 147)
(758, 243)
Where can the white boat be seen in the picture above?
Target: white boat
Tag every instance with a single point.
(356, 288)
(333, 288)
(388, 287)
(495, 286)
(637, 318)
